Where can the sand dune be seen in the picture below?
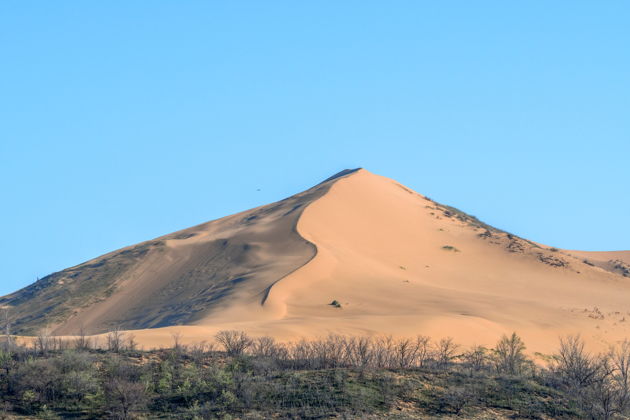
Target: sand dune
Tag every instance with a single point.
(380, 253)
(176, 279)
(401, 264)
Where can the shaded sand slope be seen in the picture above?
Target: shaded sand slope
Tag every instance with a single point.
(175, 279)
(613, 261)
(401, 264)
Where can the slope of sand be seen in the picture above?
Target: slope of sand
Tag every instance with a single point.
(175, 279)
(380, 253)
(397, 262)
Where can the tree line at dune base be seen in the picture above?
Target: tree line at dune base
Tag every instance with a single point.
(236, 376)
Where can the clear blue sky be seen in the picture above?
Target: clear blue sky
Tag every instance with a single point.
(121, 121)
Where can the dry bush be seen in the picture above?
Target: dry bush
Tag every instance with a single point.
(44, 342)
(509, 355)
(620, 360)
(123, 397)
(82, 342)
(384, 348)
(576, 367)
(199, 351)
(115, 340)
(475, 359)
(405, 353)
(177, 342)
(235, 343)
(423, 345)
(264, 347)
(359, 352)
(445, 352)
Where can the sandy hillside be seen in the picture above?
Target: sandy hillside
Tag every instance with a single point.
(383, 252)
(396, 262)
(177, 279)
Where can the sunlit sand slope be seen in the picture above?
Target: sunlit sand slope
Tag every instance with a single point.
(400, 264)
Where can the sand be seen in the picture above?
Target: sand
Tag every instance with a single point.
(403, 265)
(380, 254)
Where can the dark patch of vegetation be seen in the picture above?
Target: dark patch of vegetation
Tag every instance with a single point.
(56, 297)
(620, 267)
(335, 303)
(340, 377)
(450, 248)
(552, 261)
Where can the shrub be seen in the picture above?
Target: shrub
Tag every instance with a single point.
(450, 248)
(509, 356)
(335, 303)
(234, 342)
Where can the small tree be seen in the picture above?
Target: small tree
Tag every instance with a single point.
(7, 327)
(124, 397)
(445, 352)
(577, 367)
(44, 342)
(264, 347)
(423, 346)
(115, 340)
(475, 359)
(234, 342)
(82, 342)
(509, 355)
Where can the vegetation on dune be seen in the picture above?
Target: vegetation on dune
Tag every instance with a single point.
(349, 377)
(450, 248)
(335, 303)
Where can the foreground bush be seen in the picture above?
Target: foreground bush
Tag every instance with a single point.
(349, 377)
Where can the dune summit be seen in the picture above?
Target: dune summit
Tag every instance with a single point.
(356, 254)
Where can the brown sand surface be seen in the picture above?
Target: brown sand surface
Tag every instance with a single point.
(398, 264)
(380, 253)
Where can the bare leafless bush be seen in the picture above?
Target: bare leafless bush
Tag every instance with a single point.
(82, 341)
(599, 383)
(123, 397)
(177, 342)
(575, 366)
(405, 353)
(200, 351)
(475, 359)
(384, 348)
(445, 352)
(264, 347)
(620, 360)
(423, 345)
(115, 340)
(6, 328)
(44, 342)
(329, 352)
(359, 352)
(235, 343)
